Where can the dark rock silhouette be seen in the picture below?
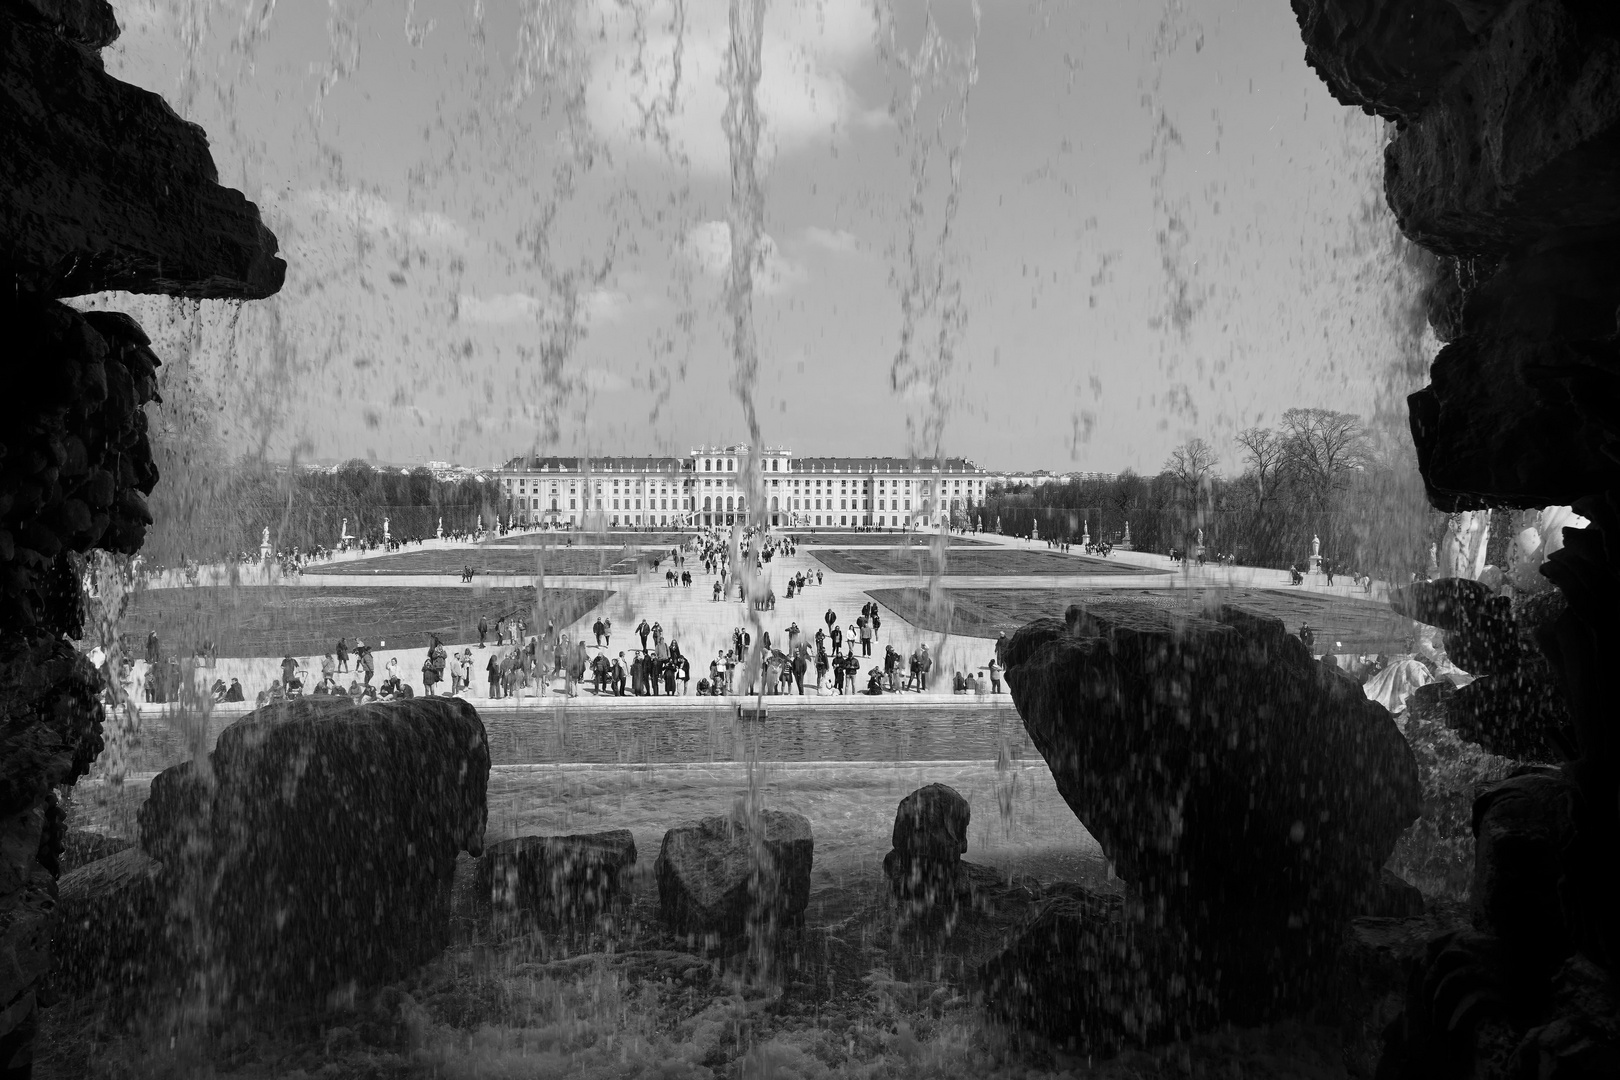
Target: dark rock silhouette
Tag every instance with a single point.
(723, 877)
(319, 815)
(1247, 796)
(102, 186)
(555, 878)
(110, 923)
(930, 835)
(1507, 166)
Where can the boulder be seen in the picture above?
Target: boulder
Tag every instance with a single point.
(725, 876)
(1515, 422)
(110, 922)
(1522, 143)
(332, 832)
(81, 847)
(930, 835)
(555, 878)
(1245, 793)
(103, 186)
(1387, 56)
(1392, 897)
(1523, 828)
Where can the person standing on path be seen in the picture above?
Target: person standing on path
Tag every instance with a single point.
(289, 669)
(619, 675)
(342, 654)
(363, 660)
(642, 631)
(995, 675)
(599, 630)
(483, 629)
(926, 664)
(866, 636)
(607, 632)
(831, 619)
(800, 665)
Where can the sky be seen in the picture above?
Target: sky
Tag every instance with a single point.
(1096, 228)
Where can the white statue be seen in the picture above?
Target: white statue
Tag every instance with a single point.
(1316, 547)
(265, 549)
(1200, 536)
(439, 532)
(343, 534)
(1540, 533)
(385, 530)
(1034, 530)
(1462, 551)
(1085, 536)
(1127, 538)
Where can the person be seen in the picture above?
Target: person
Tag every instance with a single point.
(837, 639)
(717, 588)
(958, 684)
(619, 675)
(831, 619)
(342, 654)
(154, 650)
(1327, 570)
(235, 692)
(995, 674)
(916, 670)
(1308, 636)
(429, 678)
(874, 681)
(1294, 576)
(607, 632)
(328, 667)
(598, 629)
(493, 668)
(642, 631)
(865, 624)
(801, 663)
(818, 577)
(499, 631)
(289, 670)
(216, 693)
(483, 629)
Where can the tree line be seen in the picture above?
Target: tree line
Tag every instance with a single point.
(1317, 474)
(226, 510)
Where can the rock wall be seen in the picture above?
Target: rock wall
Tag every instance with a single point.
(1506, 163)
(102, 186)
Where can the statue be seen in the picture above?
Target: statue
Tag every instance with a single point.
(1034, 530)
(343, 534)
(1125, 542)
(385, 531)
(439, 532)
(265, 549)
(1085, 536)
(1462, 552)
(1316, 547)
(1200, 536)
(998, 524)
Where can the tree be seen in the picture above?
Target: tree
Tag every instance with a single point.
(1191, 464)
(1322, 449)
(1265, 452)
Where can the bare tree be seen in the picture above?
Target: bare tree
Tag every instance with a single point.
(1265, 453)
(1322, 448)
(1191, 464)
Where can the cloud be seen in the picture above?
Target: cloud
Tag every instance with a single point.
(599, 307)
(811, 47)
(838, 241)
(709, 246)
(351, 208)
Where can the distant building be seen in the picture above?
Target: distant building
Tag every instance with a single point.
(705, 487)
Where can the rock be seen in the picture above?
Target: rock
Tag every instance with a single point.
(332, 832)
(556, 878)
(1245, 792)
(930, 836)
(1522, 143)
(1523, 827)
(722, 877)
(50, 718)
(1061, 976)
(1515, 422)
(1391, 897)
(1372, 972)
(1386, 56)
(103, 187)
(27, 913)
(89, 23)
(1582, 1037)
(932, 823)
(110, 922)
(81, 847)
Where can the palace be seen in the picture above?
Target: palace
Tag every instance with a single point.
(706, 487)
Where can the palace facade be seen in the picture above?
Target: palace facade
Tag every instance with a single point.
(706, 488)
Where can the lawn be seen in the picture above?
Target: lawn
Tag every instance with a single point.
(665, 540)
(1360, 625)
(893, 538)
(498, 561)
(999, 562)
(267, 620)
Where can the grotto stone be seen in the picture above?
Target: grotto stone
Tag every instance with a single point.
(103, 186)
(1513, 707)
(110, 922)
(1516, 422)
(1388, 56)
(77, 463)
(89, 23)
(1523, 828)
(1244, 792)
(930, 835)
(1579, 1037)
(1392, 897)
(555, 878)
(314, 816)
(1523, 142)
(81, 847)
(722, 877)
